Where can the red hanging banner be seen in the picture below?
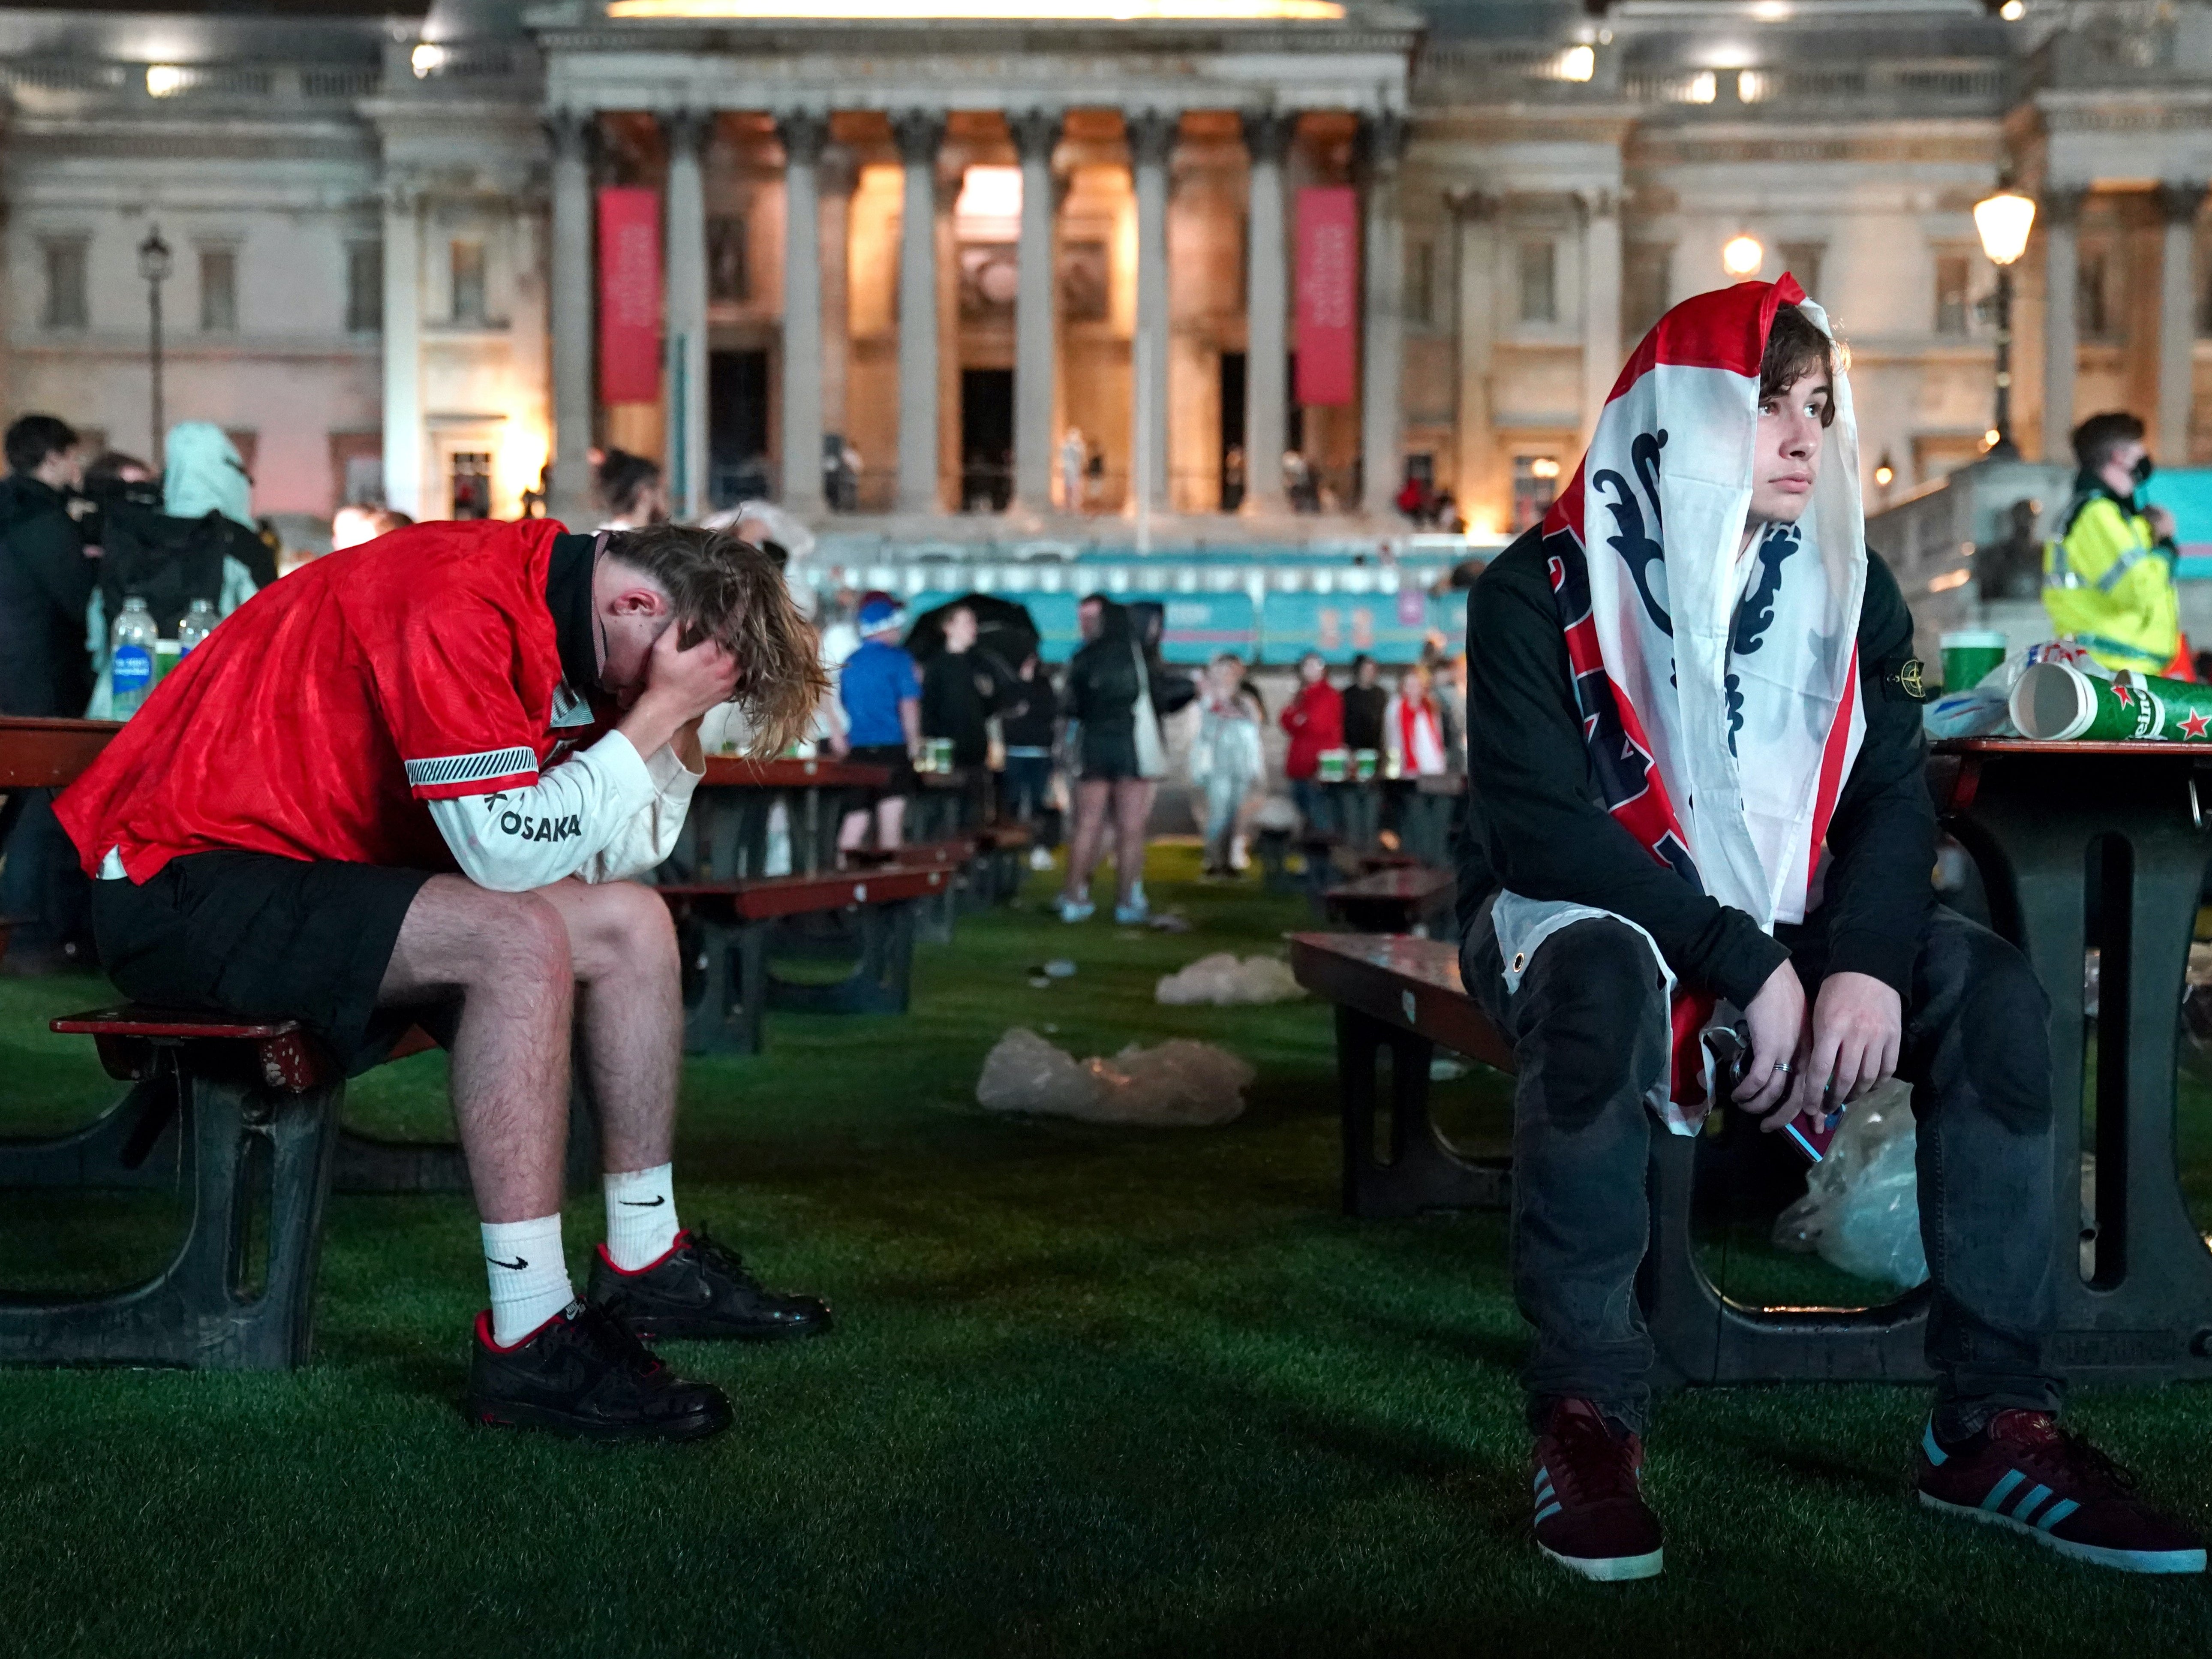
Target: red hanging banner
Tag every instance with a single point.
(630, 295)
(1328, 293)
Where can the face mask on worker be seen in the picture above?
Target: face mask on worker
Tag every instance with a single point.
(2144, 469)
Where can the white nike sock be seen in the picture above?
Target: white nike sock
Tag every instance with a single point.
(529, 1275)
(641, 1217)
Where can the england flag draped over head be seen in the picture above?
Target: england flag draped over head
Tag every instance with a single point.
(1718, 693)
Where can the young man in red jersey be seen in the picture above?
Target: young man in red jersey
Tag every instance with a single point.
(407, 783)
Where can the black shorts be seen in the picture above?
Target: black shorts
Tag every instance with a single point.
(1109, 755)
(903, 781)
(261, 936)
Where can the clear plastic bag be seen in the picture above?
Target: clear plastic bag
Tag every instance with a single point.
(1177, 1084)
(1861, 1212)
(1222, 981)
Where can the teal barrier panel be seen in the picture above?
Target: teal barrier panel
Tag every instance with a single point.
(1198, 627)
(1389, 626)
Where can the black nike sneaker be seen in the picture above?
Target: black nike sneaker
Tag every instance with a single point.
(581, 1374)
(700, 1289)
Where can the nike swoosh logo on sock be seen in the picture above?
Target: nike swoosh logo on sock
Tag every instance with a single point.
(515, 1266)
(642, 1203)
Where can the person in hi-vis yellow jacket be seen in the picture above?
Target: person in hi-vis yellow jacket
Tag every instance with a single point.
(2108, 575)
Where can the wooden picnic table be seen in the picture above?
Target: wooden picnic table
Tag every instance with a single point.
(725, 836)
(37, 753)
(2061, 831)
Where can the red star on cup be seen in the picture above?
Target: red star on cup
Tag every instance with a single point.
(2194, 726)
(2124, 695)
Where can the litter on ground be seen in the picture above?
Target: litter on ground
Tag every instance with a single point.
(1222, 981)
(1177, 1084)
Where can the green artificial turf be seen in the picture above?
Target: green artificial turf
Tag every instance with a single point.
(1093, 1390)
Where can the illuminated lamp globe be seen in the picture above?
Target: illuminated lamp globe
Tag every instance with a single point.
(2004, 221)
(1742, 257)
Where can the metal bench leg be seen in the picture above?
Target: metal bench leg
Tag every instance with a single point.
(198, 1311)
(882, 973)
(135, 1143)
(724, 971)
(1424, 1172)
(1700, 1336)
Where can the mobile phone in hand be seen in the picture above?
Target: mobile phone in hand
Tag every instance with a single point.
(1810, 1133)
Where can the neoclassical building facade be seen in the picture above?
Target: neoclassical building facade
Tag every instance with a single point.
(960, 272)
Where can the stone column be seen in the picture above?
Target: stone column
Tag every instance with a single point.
(1474, 482)
(1383, 348)
(836, 175)
(1151, 135)
(404, 438)
(1266, 313)
(572, 317)
(2061, 265)
(1036, 332)
(919, 133)
(804, 135)
(1600, 211)
(2177, 319)
(688, 134)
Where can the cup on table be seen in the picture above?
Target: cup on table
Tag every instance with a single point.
(1968, 655)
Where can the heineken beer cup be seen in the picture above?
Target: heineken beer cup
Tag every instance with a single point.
(1968, 655)
(2057, 703)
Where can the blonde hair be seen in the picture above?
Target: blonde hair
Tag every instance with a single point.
(729, 591)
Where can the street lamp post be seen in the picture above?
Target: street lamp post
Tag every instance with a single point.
(154, 266)
(2003, 221)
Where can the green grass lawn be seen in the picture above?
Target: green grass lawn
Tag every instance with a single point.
(1093, 1390)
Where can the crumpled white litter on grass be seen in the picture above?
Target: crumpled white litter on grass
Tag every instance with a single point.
(1178, 1084)
(1222, 981)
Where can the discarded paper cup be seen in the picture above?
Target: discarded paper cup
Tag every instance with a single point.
(1365, 762)
(1970, 654)
(2058, 704)
(1333, 765)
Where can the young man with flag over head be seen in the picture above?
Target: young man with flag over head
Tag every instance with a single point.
(1696, 754)
(404, 785)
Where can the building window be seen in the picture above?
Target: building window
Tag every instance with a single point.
(1420, 284)
(364, 291)
(471, 480)
(729, 275)
(1803, 261)
(1540, 295)
(2094, 315)
(66, 302)
(1953, 272)
(218, 290)
(1646, 279)
(468, 265)
(1535, 483)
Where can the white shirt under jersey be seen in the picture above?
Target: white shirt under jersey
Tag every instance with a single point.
(604, 813)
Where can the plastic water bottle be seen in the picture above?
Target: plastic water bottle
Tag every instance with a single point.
(131, 665)
(195, 625)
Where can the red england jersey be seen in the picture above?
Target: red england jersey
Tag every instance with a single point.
(320, 716)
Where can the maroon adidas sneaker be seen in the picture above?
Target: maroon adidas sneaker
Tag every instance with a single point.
(1591, 1517)
(2029, 1474)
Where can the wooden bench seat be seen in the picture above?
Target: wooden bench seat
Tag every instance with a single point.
(726, 930)
(1406, 900)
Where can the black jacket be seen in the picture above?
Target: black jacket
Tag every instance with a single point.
(1537, 823)
(959, 694)
(1363, 708)
(45, 582)
(1030, 711)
